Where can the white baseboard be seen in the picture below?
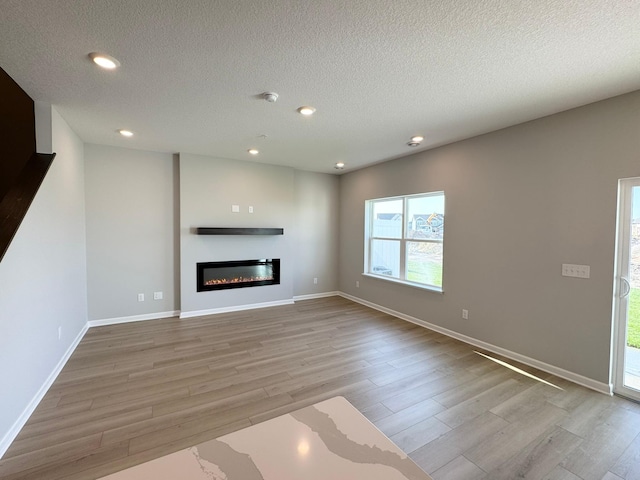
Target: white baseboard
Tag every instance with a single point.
(13, 432)
(532, 362)
(311, 296)
(133, 318)
(235, 308)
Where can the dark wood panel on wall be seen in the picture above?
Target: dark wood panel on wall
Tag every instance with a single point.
(16, 202)
(17, 131)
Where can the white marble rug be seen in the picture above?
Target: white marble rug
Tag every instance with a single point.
(328, 440)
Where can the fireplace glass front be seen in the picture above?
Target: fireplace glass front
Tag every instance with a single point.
(237, 274)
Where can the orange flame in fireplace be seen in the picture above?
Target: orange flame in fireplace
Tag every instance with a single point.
(225, 281)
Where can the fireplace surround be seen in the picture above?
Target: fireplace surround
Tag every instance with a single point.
(237, 274)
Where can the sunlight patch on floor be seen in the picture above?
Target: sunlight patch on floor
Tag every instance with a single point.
(517, 370)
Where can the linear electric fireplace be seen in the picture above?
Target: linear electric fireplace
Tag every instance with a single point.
(237, 274)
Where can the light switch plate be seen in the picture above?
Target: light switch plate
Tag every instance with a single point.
(235, 208)
(578, 271)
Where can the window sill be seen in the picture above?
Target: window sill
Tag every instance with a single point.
(404, 282)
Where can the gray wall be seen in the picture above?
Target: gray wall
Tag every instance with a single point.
(317, 220)
(133, 231)
(43, 280)
(208, 189)
(519, 203)
(131, 198)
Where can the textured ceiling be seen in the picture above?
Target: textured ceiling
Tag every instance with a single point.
(378, 71)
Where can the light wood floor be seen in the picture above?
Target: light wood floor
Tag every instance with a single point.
(137, 391)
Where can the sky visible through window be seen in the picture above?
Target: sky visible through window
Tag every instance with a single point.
(424, 205)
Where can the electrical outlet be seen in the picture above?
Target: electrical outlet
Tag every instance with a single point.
(465, 314)
(141, 297)
(250, 209)
(157, 295)
(357, 284)
(315, 281)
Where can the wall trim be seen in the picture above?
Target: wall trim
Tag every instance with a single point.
(13, 432)
(133, 318)
(235, 308)
(312, 296)
(587, 382)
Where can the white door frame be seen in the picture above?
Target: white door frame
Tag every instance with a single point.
(621, 286)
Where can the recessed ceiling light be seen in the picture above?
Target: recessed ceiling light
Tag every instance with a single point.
(307, 111)
(417, 138)
(413, 144)
(339, 166)
(126, 133)
(103, 60)
(253, 151)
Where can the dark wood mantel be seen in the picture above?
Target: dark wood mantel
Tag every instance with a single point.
(238, 231)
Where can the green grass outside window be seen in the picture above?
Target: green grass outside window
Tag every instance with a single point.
(633, 321)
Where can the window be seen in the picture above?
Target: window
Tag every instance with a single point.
(404, 238)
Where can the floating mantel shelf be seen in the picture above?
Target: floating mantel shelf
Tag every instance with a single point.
(239, 231)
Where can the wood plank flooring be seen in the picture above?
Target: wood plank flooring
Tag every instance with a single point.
(134, 392)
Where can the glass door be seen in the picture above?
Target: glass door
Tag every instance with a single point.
(626, 332)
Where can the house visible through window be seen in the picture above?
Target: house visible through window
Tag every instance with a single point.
(404, 238)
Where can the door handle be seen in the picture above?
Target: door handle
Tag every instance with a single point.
(625, 282)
